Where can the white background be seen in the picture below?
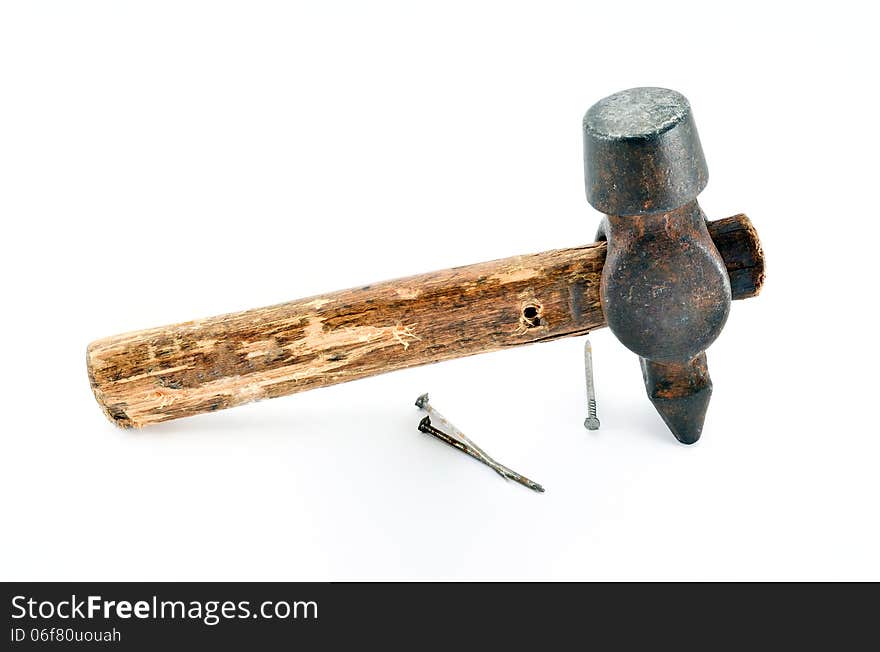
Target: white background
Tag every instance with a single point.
(162, 161)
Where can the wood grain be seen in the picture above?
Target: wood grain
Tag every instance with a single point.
(210, 364)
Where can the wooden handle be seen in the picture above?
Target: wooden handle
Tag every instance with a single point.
(200, 366)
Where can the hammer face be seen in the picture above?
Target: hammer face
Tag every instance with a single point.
(642, 153)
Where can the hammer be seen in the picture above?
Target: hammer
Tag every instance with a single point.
(660, 276)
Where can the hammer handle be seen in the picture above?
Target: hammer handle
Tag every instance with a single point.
(169, 372)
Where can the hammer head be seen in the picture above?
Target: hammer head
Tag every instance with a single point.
(664, 290)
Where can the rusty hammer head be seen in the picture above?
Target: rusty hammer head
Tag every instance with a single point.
(664, 290)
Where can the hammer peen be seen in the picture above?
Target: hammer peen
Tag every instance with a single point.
(660, 276)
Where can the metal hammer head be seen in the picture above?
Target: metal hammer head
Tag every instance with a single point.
(665, 290)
